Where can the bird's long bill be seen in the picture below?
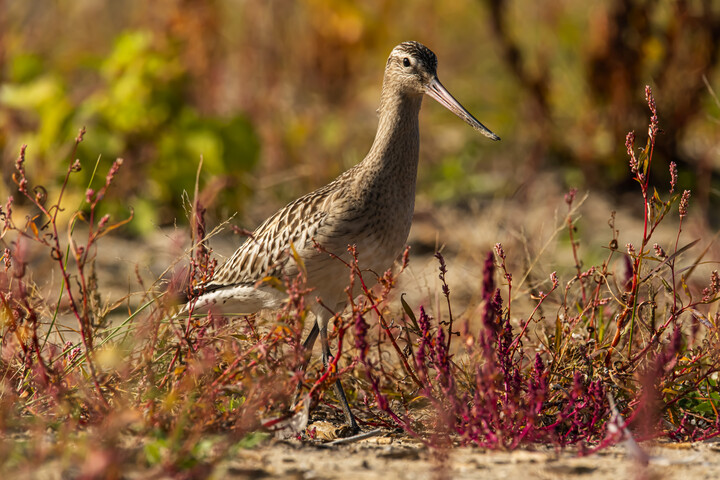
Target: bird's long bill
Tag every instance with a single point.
(439, 93)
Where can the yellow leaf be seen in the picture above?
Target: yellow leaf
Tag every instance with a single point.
(298, 260)
(274, 282)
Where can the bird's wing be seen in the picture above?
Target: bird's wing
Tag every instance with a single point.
(268, 251)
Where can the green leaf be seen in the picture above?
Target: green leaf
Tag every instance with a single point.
(409, 312)
(252, 440)
(155, 450)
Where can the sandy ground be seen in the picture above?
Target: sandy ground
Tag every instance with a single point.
(391, 457)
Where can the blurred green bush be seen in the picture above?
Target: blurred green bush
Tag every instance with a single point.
(138, 110)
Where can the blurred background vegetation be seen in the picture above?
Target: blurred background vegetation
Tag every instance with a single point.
(279, 96)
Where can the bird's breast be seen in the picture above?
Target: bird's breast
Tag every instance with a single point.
(381, 226)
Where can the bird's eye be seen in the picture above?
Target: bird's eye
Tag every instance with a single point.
(406, 62)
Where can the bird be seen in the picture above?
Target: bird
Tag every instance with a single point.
(369, 206)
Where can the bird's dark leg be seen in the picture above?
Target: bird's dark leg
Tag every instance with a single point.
(339, 392)
(308, 347)
(310, 342)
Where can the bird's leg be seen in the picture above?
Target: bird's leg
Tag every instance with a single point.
(339, 392)
(308, 347)
(310, 342)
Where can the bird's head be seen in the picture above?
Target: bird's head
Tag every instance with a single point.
(412, 70)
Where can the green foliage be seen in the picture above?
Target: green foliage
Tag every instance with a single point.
(551, 78)
(252, 440)
(41, 98)
(155, 450)
(143, 87)
(139, 110)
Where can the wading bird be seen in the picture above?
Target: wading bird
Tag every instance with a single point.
(370, 206)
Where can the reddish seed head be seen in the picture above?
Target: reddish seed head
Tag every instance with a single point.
(653, 127)
(113, 170)
(81, 134)
(499, 250)
(6, 258)
(570, 196)
(488, 282)
(673, 176)
(650, 99)
(361, 328)
(406, 257)
(7, 213)
(630, 146)
(21, 158)
(103, 221)
(706, 294)
(684, 203)
(20, 167)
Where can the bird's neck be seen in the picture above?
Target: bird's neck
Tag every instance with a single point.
(397, 142)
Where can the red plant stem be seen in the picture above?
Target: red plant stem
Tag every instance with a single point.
(631, 307)
(254, 332)
(83, 321)
(655, 338)
(166, 377)
(645, 240)
(385, 327)
(571, 228)
(509, 302)
(450, 322)
(231, 367)
(404, 424)
(516, 342)
(619, 326)
(672, 267)
(331, 366)
(446, 293)
(356, 269)
(596, 295)
(692, 389)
